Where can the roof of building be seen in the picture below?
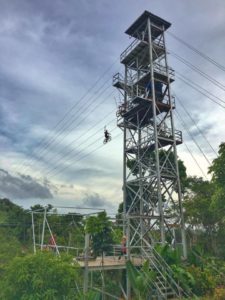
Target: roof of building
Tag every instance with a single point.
(140, 23)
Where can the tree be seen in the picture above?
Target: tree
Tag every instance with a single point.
(217, 169)
(40, 276)
(197, 203)
(205, 206)
(100, 229)
(199, 214)
(18, 219)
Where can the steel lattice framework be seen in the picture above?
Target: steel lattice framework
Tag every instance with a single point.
(152, 191)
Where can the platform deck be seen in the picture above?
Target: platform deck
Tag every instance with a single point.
(109, 262)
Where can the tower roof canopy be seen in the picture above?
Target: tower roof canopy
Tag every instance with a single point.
(141, 22)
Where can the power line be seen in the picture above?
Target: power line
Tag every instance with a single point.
(209, 59)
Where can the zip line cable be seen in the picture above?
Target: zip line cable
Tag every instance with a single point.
(77, 154)
(198, 86)
(191, 136)
(191, 66)
(63, 137)
(87, 131)
(192, 155)
(80, 110)
(204, 136)
(84, 156)
(186, 79)
(84, 118)
(61, 158)
(198, 90)
(44, 140)
(72, 150)
(196, 162)
(209, 59)
(84, 96)
(47, 146)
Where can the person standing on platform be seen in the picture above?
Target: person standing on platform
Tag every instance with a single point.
(148, 90)
(52, 242)
(158, 90)
(123, 246)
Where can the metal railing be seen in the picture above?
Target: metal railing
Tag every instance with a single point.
(146, 140)
(158, 68)
(135, 43)
(165, 272)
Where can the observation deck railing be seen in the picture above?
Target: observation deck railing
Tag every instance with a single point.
(137, 42)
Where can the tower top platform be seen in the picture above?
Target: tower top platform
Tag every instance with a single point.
(141, 22)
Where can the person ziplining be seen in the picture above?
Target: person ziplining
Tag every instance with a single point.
(107, 136)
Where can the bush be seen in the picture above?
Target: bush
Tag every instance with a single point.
(204, 281)
(219, 294)
(40, 276)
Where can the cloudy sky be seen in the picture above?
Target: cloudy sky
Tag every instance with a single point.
(57, 59)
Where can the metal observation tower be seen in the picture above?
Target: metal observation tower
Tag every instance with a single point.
(152, 197)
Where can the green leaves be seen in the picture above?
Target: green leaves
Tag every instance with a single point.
(40, 276)
(100, 229)
(142, 280)
(218, 168)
